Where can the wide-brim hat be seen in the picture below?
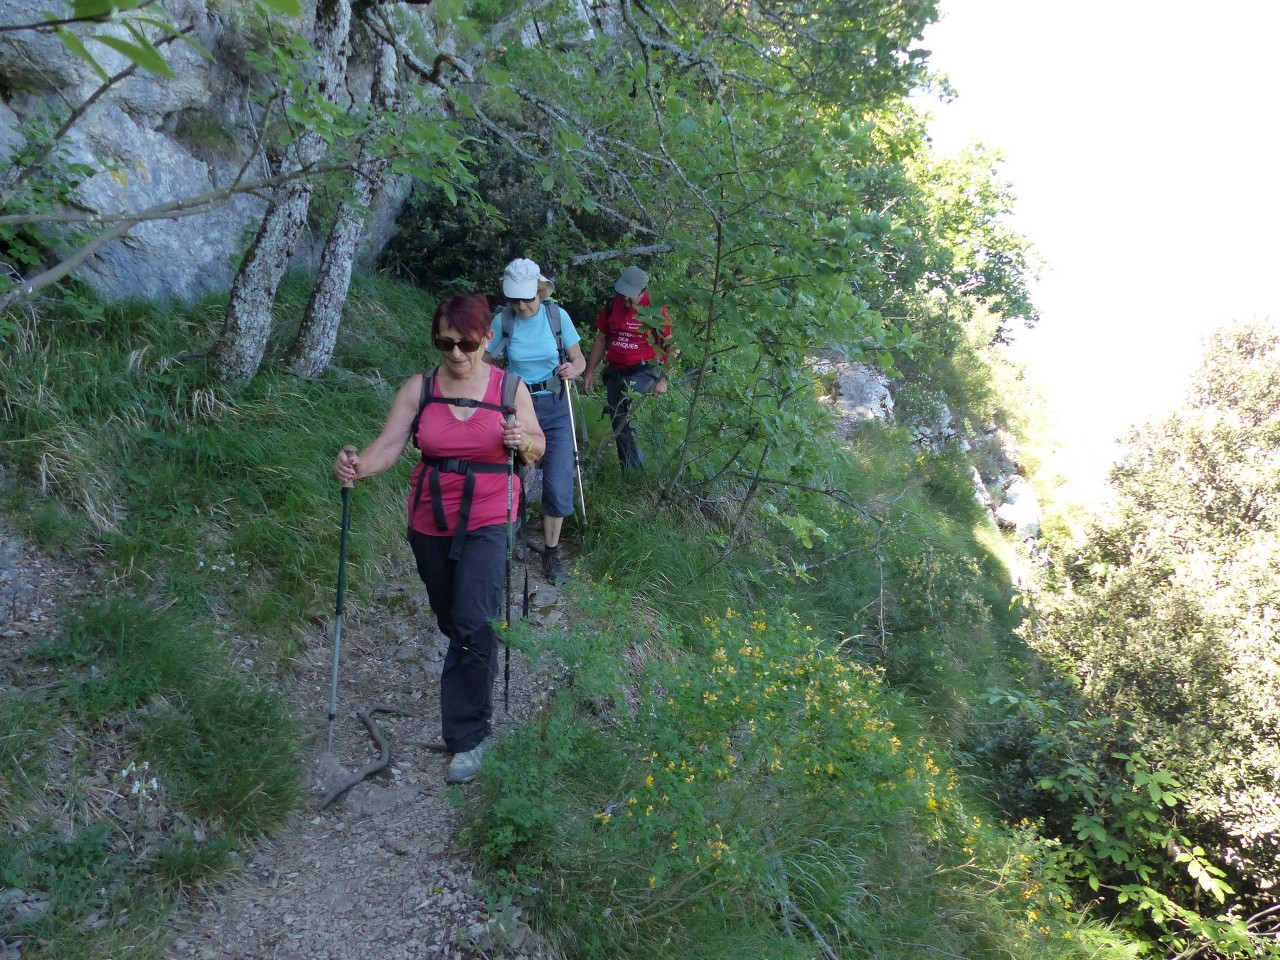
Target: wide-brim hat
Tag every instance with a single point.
(520, 279)
(632, 282)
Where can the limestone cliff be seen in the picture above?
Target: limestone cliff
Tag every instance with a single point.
(152, 140)
(864, 393)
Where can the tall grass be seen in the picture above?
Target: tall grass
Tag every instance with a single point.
(751, 753)
(814, 750)
(213, 517)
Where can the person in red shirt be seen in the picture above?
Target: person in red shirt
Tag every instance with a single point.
(631, 347)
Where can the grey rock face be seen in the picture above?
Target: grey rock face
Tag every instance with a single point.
(149, 138)
(1020, 510)
(11, 138)
(864, 393)
(36, 62)
(180, 258)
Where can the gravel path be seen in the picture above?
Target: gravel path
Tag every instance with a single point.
(378, 873)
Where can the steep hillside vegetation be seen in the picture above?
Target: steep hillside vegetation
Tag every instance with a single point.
(796, 711)
(760, 733)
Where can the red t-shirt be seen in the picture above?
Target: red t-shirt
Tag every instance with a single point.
(629, 341)
(477, 439)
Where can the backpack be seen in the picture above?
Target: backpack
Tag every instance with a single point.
(510, 384)
(553, 315)
(437, 465)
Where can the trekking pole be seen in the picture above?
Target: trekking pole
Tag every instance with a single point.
(573, 431)
(524, 540)
(511, 544)
(339, 607)
(582, 417)
(524, 532)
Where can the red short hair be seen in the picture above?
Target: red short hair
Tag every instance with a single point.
(468, 313)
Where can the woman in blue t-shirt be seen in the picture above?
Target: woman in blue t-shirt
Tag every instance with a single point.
(534, 355)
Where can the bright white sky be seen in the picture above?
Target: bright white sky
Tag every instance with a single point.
(1142, 139)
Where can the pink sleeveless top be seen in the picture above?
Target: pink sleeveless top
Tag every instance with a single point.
(478, 439)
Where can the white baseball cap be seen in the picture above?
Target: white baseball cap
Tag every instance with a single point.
(520, 280)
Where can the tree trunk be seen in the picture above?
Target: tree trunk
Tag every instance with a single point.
(247, 324)
(313, 348)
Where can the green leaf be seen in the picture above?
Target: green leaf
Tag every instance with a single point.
(100, 9)
(177, 34)
(283, 8)
(146, 56)
(548, 183)
(74, 44)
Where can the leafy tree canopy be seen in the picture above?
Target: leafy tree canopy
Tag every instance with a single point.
(1168, 614)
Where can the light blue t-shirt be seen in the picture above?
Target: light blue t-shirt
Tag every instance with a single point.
(532, 354)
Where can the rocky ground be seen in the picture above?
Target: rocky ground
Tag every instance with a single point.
(377, 873)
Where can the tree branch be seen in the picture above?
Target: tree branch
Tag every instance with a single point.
(26, 171)
(46, 26)
(62, 270)
(600, 256)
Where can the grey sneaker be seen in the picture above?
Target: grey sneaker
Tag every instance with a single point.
(464, 767)
(553, 568)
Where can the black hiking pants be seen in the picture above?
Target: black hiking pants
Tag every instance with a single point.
(466, 596)
(621, 384)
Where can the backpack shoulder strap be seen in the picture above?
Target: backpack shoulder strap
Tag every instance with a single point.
(508, 324)
(510, 385)
(428, 387)
(617, 313)
(553, 316)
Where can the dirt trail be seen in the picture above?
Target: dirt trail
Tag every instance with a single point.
(378, 874)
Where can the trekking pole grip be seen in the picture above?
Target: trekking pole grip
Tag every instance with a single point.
(350, 451)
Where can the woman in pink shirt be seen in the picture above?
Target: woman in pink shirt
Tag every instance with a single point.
(459, 507)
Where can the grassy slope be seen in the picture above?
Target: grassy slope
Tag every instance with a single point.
(798, 763)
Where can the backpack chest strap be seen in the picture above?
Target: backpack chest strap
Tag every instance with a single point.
(468, 469)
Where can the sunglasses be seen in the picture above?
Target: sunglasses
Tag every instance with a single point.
(521, 299)
(445, 345)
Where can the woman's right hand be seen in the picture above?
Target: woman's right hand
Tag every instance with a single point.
(347, 466)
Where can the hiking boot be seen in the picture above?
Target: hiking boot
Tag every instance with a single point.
(464, 767)
(552, 567)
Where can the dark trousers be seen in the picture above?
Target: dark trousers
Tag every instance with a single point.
(466, 596)
(619, 384)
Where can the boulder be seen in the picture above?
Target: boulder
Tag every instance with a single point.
(938, 430)
(864, 393)
(183, 258)
(1020, 510)
(980, 491)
